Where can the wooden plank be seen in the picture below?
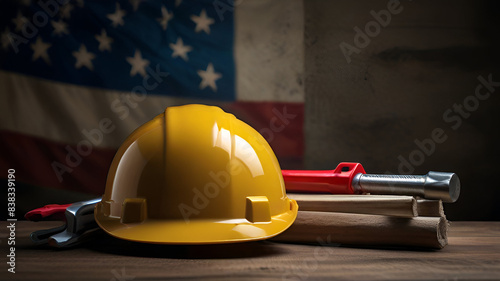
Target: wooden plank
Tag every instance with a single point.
(430, 208)
(367, 230)
(387, 205)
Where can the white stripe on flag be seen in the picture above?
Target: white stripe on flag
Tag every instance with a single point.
(61, 112)
(269, 50)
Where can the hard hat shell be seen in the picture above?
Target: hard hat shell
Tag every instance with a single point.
(195, 175)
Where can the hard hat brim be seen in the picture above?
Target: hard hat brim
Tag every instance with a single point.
(196, 231)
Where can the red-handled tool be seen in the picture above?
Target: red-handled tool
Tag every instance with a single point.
(52, 212)
(79, 223)
(351, 178)
(338, 181)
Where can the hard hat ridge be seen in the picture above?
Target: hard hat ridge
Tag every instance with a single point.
(195, 175)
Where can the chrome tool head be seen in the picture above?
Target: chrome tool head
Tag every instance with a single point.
(440, 185)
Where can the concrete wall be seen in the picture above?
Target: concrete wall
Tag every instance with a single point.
(405, 85)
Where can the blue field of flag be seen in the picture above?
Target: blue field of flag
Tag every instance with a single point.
(173, 48)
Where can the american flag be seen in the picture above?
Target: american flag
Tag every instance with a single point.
(77, 77)
(123, 45)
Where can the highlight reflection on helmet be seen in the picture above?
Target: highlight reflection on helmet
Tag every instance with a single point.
(195, 175)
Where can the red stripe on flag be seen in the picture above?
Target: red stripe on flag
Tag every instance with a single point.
(38, 161)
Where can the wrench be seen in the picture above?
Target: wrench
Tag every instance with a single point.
(351, 178)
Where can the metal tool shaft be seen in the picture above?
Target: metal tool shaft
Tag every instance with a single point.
(433, 185)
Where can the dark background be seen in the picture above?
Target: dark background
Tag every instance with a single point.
(396, 90)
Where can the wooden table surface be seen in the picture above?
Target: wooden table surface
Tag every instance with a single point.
(473, 253)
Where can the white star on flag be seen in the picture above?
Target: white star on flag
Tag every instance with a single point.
(19, 21)
(202, 22)
(60, 27)
(117, 16)
(104, 41)
(180, 50)
(83, 58)
(165, 17)
(138, 64)
(40, 50)
(208, 77)
(65, 11)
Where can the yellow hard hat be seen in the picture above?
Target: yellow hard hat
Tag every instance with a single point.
(195, 175)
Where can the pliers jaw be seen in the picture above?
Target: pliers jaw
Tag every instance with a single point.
(79, 223)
